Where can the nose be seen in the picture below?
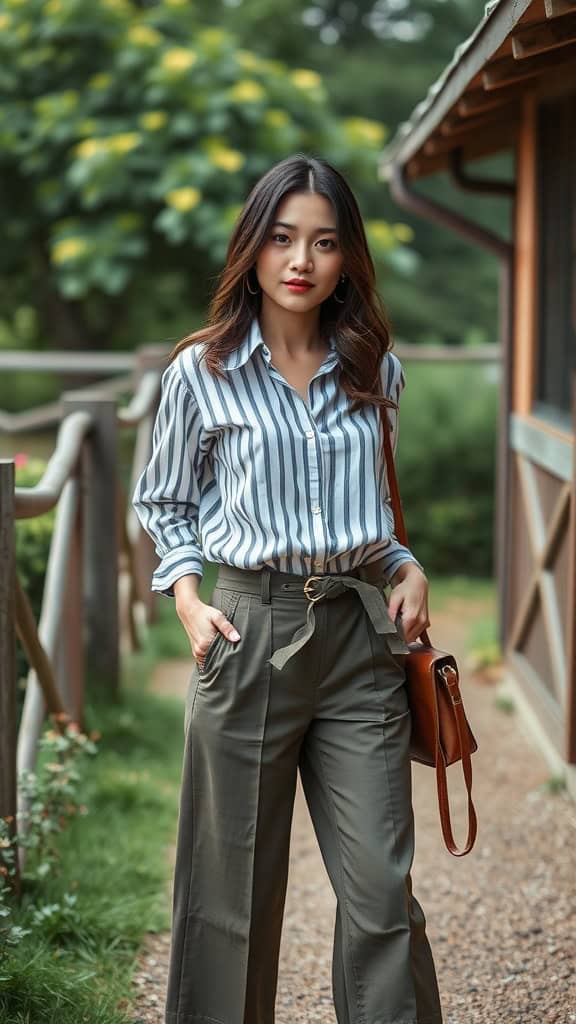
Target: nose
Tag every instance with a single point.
(300, 258)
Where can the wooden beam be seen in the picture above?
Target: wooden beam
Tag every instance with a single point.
(494, 132)
(455, 125)
(507, 70)
(543, 37)
(557, 8)
(478, 100)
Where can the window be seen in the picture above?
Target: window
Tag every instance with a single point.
(557, 255)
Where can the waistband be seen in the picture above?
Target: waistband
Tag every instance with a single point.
(365, 580)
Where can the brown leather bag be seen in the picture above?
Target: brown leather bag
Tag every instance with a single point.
(441, 734)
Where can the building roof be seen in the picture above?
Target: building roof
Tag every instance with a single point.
(474, 105)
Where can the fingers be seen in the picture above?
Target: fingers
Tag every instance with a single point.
(220, 625)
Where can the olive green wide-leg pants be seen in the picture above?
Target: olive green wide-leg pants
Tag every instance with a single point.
(338, 712)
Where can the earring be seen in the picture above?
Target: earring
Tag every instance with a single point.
(334, 296)
(249, 288)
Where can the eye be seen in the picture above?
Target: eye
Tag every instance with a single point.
(331, 243)
(279, 235)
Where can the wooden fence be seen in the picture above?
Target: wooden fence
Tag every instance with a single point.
(99, 555)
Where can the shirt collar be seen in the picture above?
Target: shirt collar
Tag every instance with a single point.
(253, 339)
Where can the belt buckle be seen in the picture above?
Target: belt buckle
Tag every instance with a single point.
(310, 579)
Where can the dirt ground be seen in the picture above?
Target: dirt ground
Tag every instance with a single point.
(501, 920)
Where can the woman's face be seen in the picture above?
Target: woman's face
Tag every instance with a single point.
(302, 243)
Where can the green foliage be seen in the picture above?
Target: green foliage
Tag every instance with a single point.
(505, 704)
(131, 135)
(555, 784)
(90, 916)
(49, 800)
(446, 466)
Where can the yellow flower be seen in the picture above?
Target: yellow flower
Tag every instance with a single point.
(178, 59)
(248, 60)
(304, 79)
(380, 233)
(276, 118)
(124, 142)
(247, 90)
(362, 131)
(144, 35)
(212, 37)
(5, 21)
(222, 156)
(403, 232)
(90, 148)
(100, 81)
(183, 199)
(152, 120)
(228, 160)
(68, 249)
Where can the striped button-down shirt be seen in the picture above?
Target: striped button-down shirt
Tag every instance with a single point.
(245, 472)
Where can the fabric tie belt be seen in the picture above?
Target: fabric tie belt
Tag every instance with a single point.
(317, 588)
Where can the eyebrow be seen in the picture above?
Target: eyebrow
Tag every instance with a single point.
(292, 227)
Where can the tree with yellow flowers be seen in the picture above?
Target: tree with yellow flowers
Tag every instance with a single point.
(129, 137)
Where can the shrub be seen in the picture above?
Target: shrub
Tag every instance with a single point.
(446, 466)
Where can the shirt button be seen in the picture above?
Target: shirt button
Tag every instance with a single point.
(309, 433)
(316, 510)
(317, 565)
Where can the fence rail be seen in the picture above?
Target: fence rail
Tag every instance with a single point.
(99, 555)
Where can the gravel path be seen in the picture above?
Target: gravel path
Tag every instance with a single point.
(501, 921)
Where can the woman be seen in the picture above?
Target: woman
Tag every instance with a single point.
(267, 460)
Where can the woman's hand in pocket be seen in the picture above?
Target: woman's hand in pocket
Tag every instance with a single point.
(202, 622)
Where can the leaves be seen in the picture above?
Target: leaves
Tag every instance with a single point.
(111, 110)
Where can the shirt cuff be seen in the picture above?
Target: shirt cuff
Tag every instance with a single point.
(393, 559)
(180, 562)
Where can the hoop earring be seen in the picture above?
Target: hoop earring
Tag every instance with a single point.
(334, 296)
(257, 292)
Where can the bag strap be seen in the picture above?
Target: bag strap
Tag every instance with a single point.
(454, 690)
(441, 780)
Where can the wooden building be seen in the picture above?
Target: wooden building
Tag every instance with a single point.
(511, 85)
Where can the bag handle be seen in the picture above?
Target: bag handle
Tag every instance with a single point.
(454, 690)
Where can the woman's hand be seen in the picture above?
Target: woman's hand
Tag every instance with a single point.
(202, 622)
(409, 597)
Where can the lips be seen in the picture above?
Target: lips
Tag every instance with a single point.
(298, 286)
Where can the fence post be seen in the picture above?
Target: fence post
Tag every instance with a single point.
(100, 562)
(8, 722)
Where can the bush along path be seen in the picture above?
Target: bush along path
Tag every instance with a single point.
(500, 920)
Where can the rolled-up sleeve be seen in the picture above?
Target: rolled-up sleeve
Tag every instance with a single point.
(166, 498)
(396, 553)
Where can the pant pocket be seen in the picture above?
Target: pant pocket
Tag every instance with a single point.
(226, 601)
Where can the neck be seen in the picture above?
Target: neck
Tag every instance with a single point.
(295, 334)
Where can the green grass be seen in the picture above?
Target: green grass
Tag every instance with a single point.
(114, 859)
(446, 588)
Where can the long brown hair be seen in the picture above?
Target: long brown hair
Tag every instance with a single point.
(359, 325)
